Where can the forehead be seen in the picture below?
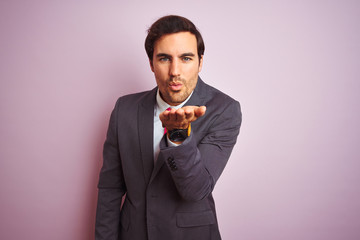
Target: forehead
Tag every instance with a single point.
(176, 43)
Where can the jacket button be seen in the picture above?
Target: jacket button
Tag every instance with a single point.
(172, 163)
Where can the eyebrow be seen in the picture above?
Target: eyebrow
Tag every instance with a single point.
(188, 54)
(163, 55)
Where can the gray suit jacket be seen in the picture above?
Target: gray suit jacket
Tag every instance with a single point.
(173, 199)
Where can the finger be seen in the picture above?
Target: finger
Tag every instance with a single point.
(189, 112)
(200, 111)
(164, 115)
(180, 115)
(163, 118)
(172, 114)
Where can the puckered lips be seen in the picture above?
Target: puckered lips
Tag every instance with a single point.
(175, 86)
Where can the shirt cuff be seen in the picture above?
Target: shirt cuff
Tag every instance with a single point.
(170, 143)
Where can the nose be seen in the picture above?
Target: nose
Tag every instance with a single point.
(174, 68)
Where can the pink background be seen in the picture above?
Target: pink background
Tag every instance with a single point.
(293, 65)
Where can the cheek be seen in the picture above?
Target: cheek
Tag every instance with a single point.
(160, 73)
(193, 72)
(160, 81)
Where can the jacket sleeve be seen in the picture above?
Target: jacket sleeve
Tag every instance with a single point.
(111, 186)
(195, 167)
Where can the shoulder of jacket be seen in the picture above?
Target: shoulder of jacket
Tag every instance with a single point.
(214, 94)
(133, 99)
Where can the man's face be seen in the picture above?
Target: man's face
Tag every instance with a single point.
(176, 66)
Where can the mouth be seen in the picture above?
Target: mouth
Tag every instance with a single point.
(175, 86)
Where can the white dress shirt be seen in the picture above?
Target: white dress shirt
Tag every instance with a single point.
(161, 106)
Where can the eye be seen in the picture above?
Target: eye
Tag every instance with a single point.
(186, 59)
(164, 59)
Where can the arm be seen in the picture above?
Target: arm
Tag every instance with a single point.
(198, 166)
(111, 186)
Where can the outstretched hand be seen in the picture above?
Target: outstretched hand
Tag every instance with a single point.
(182, 117)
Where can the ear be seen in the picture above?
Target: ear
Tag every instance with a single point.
(151, 65)
(201, 62)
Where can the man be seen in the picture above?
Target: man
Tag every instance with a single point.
(167, 161)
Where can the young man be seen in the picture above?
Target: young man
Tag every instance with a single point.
(166, 148)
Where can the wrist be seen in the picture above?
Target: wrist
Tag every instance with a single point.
(178, 135)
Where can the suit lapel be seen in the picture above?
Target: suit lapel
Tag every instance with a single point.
(146, 132)
(198, 96)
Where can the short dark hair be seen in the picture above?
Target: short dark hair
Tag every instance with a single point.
(171, 24)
